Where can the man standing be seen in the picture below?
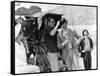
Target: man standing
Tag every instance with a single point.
(51, 43)
(85, 47)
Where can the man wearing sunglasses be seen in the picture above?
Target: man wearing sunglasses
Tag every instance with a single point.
(85, 47)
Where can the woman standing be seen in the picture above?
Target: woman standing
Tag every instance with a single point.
(66, 42)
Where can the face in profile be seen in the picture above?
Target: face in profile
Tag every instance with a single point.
(64, 26)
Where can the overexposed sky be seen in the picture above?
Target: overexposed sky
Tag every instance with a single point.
(76, 15)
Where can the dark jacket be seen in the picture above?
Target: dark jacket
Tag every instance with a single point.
(82, 44)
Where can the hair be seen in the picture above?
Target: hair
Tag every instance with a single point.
(46, 18)
(27, 17)
(85, 30)
(63, 21)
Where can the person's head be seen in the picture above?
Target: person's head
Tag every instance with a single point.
(64, 23)
(19, 20)
(85, 33)
(51, 19)
(51, 22)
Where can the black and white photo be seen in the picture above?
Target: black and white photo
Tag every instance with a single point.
(50, 37)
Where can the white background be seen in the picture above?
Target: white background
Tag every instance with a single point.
(5, 38)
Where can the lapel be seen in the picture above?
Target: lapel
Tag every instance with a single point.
(62, 37)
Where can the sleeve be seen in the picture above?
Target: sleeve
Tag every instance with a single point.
(79, 46)
(59, 42)
(91, 43)
(74, 45)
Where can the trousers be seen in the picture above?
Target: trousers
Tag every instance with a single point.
(87, 60)
(53, 58)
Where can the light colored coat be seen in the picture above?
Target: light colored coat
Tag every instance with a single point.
(68, 54)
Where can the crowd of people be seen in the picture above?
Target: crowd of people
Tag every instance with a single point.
(46, 44)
